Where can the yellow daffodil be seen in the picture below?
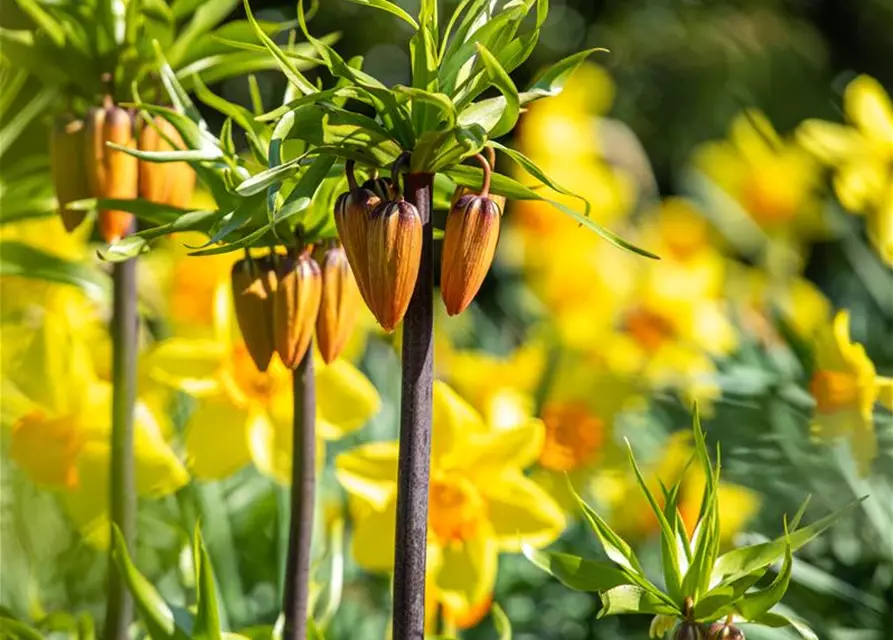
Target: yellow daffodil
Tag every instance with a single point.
(60, 417)
(862, 157)
(771, 178)
(244, 415)
(845, 387)
(480, 501)
(631, 515)
(674, 321)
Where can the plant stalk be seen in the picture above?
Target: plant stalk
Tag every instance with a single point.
(415, 430)
(125, 325)
(303, 486)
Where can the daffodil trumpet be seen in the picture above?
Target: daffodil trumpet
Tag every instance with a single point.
(417, 381)
(469, 244)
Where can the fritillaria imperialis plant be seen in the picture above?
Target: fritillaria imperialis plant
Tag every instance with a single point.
(706, 594)
(419, 135)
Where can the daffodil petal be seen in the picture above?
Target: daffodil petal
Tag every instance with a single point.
(453, 421)
(189, 365)
(87, 502)
(829, 142)
(468, 571)
(217, 439)
(46, 448)
(270, 442)
(491, 454)
(370, 472)
(885, 392)
(868, 106)
(373, 535)
(521, 512)
(345, 398)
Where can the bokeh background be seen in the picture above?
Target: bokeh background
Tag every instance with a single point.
(694, 137)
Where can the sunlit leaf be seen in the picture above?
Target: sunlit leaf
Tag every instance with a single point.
(576, 572)
(390, 7)
(503, 82)
(207, 616)
(633, 599)
(23, 260)
(551, 81)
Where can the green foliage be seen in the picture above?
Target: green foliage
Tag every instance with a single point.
(700, 585)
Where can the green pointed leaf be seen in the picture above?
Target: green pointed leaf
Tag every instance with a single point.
(616, 547)
(155, 614)
(23, 260)
(578, 573)
(389, 7)
(668, 551)
(778, 621)
(10, 628)
(260, 181)
(721, 597)
(633, 599)
(254, 131)
(755, 604)
(45, 21)
(706, 535)
(285, 63)
(351, 135)
(206, 154)
(738, 562)
(501, 80)
(551, 81)
(484, 113)
(423, 58)
(34, 108)
(207, 616)
(501, 622)
(124, 249)
(152, 212)
(175, 91)
(799, 515)
(206, 16)
(441, 102)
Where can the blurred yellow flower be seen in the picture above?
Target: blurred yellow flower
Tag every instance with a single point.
(480, 501)
(772, 179)
(862, 157)
(630, 513)
(60, 415)
(845, 387)
(244, 415)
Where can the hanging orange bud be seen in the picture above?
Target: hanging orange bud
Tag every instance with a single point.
(382, 187)
(111, 173)
(469, 244)
(67, 169)
(395, 250)
(353, 214)
(295, 306)
(181, 178)
(338, 305)
(154, 177)
(464, 191)
(254, 284)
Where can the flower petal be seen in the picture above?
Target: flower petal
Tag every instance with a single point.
(189, 365)
(373, 535)
(345, 398)
(453, 421)
(488, 455)
(468, 571)
(270, 442)
(217, 439)
(521, 512)
(868, 106)
(369, 472)
(829, 142)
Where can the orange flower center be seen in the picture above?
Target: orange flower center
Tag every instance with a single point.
(573, 436)
(47, 448)
(769, 203)
(249, 382)
(834, 390)
(472, 616)
(456, 508)
(648, 328)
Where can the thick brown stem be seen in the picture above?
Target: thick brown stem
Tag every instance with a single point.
(122, 482)
(303, 487)
(415, 431)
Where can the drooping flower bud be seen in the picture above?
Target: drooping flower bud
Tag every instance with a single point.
(690, 630)
(724, 631)
(295, 306)
(469, 244)
(338, 304)
(382, 187)
(112, 173)
(395, 250)
(154, 182)
(353, 217)
(253, 284)
(67, 168)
